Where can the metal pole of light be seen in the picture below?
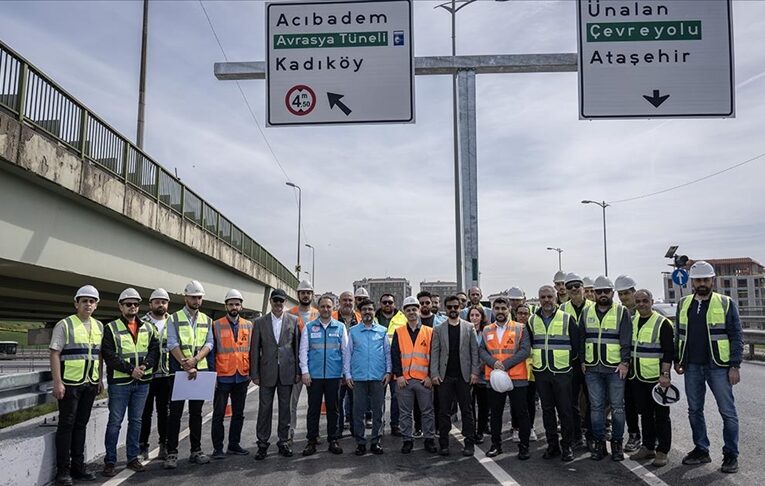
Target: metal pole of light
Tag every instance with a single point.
(313, 264)
(559, 250)
(603, 205)
(142, 80)
(300, 214)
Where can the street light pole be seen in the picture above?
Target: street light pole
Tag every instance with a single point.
(559, 250)
(300, 214)
(603, 205)
(313, 264)
(142, 76)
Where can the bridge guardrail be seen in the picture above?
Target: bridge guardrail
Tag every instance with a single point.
(25, 390)
(28, 93)
(753, 338)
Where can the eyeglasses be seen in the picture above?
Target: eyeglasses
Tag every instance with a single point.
(131, 304)
(603, 291)
(573, 286)
(642, 301)
(387, 302)
(452, 307)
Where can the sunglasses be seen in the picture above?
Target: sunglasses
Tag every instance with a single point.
(603, 291)
(452, 307)
(131, 304)
(573, 286)
(387, 302)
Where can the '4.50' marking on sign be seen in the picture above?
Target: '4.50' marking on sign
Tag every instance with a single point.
(300, 100)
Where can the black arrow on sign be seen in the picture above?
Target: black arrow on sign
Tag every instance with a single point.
(656, 100)
(334, 100)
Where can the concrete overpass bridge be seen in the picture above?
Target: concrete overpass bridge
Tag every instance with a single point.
(80, 203)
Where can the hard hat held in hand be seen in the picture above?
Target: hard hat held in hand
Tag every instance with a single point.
(665, 396)
(500, 381)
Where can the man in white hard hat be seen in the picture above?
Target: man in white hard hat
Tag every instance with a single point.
(130, 350)
(76, 368)
(559, 280)
(516, 296)
(606, 339)
(305, 312)
(708, 351)
(189, 341)
(625, 288)
(475, 295)
(159, 387)
(232, 336)
(359, 296)
(589, 292)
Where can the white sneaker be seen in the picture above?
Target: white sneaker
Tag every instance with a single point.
(516, 438)
(533, 436)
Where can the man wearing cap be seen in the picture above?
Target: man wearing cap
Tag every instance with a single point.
(230, 357)
(410, 360)
(652, 353)
(324, 360)
(189, 341)
(506, 346)
(554, 353)
(75, 350)
(159, 387)
(708, 351)
(274, 367)
(589, 292)
(559, 280)
(305, 312)
(391, 318)
(131, 351)
(475, 295)
(625, 288)
(606, 338)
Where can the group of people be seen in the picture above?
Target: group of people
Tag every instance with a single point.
(584, 355)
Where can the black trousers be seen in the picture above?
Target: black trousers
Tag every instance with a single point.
(518, 406)
(481, 408)
(654, 418)
(174, 423)
(555, 393)
(531, 404)
(631, 408)
(159, 394)
(73, 416)
(580, 417)
(238, 394)
(327, 390)
(454, 391)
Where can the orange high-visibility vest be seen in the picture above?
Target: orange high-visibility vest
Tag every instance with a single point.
(510, 344)
(231, 356)
(415, 357)
(312, 317)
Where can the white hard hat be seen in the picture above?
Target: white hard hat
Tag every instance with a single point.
(665, 396)
(587, 282)
(194, 289)
(87, 291)
(129, 293)
(515, 293)
(361, 292)
(603, 282)
(160, 294)
(305, 285)
(410, 301)
(559, 277)
(702, 269)
(500, 381)
(233, 294)
(573, 277)
(624, 282)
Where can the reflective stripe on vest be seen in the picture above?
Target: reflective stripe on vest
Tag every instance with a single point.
(551, 348)
(510, 344)
(415, 357)
(79, 356)
(601, 340)
(132, 352)
(568, 308)
(719, 344)
(646, 348)
(163, 366)
(231, 356)
(314, 314)
(189, 341)
(325, 356)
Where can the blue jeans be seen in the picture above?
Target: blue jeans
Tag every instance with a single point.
(696, 379)
(606, 387)
(122, 398)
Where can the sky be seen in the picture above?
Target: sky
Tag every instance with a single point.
(378, 200)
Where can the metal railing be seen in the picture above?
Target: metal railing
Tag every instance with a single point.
(37, 100)
(24, 390)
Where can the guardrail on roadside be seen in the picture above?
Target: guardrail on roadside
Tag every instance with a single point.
(20, 391)
(753, 338)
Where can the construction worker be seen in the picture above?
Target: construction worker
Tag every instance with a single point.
(368, 375)
(555, 346)
(454, 368)
(306, 312)
(708, 351)
(475, 295)
(359, 296)
(348, 315)
(506, 346)
(323, 362)
(189, 341)
(410, 359)
(159, 386)
(589, 292)
(559, 280)
(391, 318)
(516, 296)
(346, 312)
(130, 350)
(652, 354)
(428, 319)
(625, 288)
(232, 336)
(75, 365)
(606, 338)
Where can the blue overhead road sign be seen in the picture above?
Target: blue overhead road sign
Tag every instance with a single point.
(680, 276)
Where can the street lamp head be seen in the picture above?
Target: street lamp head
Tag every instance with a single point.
(291, 184)
(309, 246)
(587, 201)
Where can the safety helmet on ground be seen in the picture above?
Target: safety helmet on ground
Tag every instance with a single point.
(702, 269)
(587, 282)
(559, 277)
(603, 282)
(194, 289)
(233, 294)
(305, 285)
(129, 293)
(361, 292)
(624, 282)
(665, 396)
(160, 294)
(515, 293)
(87, 291)
(410, 301)
(572, 277)
(500, 381)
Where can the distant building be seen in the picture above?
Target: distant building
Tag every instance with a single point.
(742, 279)
(442, 289)
(335, 299)
(398, 287)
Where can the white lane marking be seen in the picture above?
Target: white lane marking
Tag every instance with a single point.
(126, 473)
(640, 471)
(488, 463)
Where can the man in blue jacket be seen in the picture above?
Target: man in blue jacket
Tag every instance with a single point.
(369, 374)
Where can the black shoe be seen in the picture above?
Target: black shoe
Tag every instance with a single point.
(697, 456)
(479, 438)
(468, 450)
(361, 450)
(567, 454)
(310, 449)
(551, 452)
(376, 449)
(81, 473)
(430, 446)
(444, 451)
(633, 443)
(523, 452)
(729, 464)
(237, 450)
(285, 450)
(406, 448)
(591, 445)
(395, 431)
(334, 447)
(63, 477)
(600, 451)
(494, 451)
(617, 452)
(262, 453)
(218, 454)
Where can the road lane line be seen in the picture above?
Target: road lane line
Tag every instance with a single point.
(640, 471)
(488, 463)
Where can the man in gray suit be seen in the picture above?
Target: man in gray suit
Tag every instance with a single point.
(454, 367)
(273, 366)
